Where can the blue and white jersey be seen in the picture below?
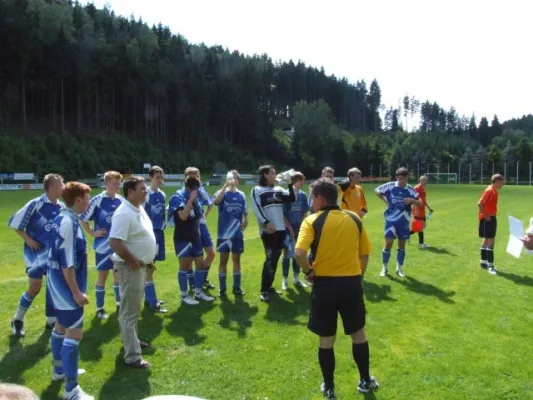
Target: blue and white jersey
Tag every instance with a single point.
(231, 210)
(294, 212)
(101, 210)
(68, 249)
(395, 195)
(36, 219)
(178, 201)
(205, 201)
(155, 208)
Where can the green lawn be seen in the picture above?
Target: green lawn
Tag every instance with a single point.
(447, 331)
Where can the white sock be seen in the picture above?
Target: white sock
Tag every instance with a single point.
(51, 320)
(21, 312)
(297, 278)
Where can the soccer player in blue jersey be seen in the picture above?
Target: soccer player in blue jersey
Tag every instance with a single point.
(155, 209)
(33, 223)
(232, 221)
(101, 211)
(294, 214)
(399, 198)
(67, 279)
(207, 243)
(185, 213)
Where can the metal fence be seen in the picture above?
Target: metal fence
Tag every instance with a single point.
(450, 173)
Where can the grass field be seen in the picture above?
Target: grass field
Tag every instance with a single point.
(447, 331)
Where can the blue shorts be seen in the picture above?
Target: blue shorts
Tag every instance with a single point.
(205, 237)
(36, 272)
(104, 262)
(189, 249)
(235, 246)
(397, 229)
(160, 242)
(70, 319)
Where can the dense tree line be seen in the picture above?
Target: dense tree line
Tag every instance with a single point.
(83, 90)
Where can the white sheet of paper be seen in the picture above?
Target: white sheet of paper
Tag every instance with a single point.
(516, 231)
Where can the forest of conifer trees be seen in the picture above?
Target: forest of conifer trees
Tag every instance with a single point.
(83, 90)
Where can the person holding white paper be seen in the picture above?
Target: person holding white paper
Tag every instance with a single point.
(488, 208)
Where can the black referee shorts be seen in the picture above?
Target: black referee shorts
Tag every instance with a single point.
(332, 296)
(487, 229)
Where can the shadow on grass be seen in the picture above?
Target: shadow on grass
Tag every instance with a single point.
(186, 321)
(426, 289)
(238, 313)
(519, 280)
(126, 382)
(150, 325)
(99, 333)
(377, 293)
(52, 391)
(438, 250)
(20, 358)
(287, 308)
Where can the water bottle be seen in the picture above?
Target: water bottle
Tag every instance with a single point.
(284, 176)
(429, 216)
(230, 178)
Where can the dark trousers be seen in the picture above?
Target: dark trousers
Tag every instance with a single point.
(273, 245)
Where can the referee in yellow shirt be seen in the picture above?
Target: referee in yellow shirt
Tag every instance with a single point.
(352, 194)
(339, 254)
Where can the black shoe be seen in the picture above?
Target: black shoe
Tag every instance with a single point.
(328, 394)
(49, 326)
(274, 291)
(265, 297)
(101, 314)
(208, 285)
(222, 293)
(18, 327)
(367, 386)
(238, 292)
(118, 308)
(159, 309)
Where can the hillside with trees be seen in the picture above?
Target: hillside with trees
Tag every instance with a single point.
(83, 90)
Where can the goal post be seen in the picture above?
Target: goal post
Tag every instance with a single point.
(441, 178)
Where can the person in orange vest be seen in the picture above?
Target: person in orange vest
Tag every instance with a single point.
(419, 212)
(352, 194)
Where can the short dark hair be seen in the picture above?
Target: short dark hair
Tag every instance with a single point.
(326, 188)
(402, 171)
(192, 182)
(264, 169)
(73, 190)
(298, 176)
(155, 170)
(131, 184)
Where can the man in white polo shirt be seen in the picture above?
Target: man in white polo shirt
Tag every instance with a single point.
(133, 242)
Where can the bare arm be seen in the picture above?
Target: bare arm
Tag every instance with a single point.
(220, 196)
(382, 198)
(364, 263)
(184, 214)
(90, 231)
(70, 277)
(32, 244)
(208, 211)
(303, 261)
(483, 211)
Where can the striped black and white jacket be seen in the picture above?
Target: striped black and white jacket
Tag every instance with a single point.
(267, 203)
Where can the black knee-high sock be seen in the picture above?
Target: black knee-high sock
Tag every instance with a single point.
(490, 256)
(421, 237)
(361, 355)
(326, 358)
(483, 261)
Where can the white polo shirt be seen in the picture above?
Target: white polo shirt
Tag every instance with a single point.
(133, 226)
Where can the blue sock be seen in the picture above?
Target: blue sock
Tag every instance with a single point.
(285, 264)
(117, 292)
(69, 354)
(56, 343)
(149, 293)
(182, 281)
(222, 281)
(199, 278)
(190, 277)
(236, 280)
(386, 256)
(100, 297)
(400, 256)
